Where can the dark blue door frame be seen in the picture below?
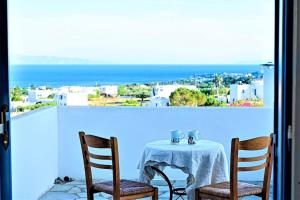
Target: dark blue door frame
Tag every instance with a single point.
(287, 98)
(283, 97)
(5, 153)
(282, 111)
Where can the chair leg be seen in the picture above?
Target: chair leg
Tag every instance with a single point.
(90, 195)
(197, 195)
(155, 195)
(265, 196)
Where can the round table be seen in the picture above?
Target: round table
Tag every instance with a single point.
(205, 162)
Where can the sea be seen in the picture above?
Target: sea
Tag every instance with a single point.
(25, 75)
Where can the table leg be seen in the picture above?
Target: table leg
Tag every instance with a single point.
(164, 176)
(177, 191)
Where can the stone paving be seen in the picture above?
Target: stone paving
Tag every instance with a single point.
(76, 190)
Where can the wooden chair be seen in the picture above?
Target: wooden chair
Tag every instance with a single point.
(119, 189)
(233, 190)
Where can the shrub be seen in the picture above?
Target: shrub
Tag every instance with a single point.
(131, 102)
(35, 106)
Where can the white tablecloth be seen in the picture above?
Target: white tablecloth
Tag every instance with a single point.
(205, 162)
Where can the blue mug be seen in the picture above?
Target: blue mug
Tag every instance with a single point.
(176, 136)
(193, 135)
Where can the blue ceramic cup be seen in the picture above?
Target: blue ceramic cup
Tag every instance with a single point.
(194, 135)
(176, 136)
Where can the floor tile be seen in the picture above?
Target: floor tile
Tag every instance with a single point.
(58, 196)
(76, 190)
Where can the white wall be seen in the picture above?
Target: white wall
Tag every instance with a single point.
(34, 153)
(45, 142)
(269, 87)
(135, 127)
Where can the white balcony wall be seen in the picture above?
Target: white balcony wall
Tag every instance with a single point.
(136, 126)
(45, 142)
(34, 153)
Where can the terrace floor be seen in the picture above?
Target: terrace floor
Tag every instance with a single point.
(76, 190)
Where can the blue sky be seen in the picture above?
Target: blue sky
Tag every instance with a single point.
(142, 31)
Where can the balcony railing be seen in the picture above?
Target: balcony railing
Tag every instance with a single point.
(45, 142)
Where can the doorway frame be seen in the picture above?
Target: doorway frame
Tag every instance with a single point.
(282, 106)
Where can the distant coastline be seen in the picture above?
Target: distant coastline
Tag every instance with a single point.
(25, 75)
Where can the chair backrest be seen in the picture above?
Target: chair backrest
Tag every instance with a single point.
(266, 159)
(102, 143)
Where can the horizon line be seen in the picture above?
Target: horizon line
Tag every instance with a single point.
(142, 63)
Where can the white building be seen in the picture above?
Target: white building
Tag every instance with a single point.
(158, 101)
(223, 98)
(90, 90)
(109, 90)
(247, 91)
(72, 99)
(39, 94)
(161, 94)
(76, 89)
(69, 89)
(15, 104)
(71, 96)
(269, 86)
(258, 89)
(165, 91)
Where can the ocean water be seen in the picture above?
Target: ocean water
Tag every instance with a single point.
(89, 75)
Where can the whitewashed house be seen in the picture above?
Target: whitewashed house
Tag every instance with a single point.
(269, 86)
(246, 91)
(161, 94)
(158, 101)
(39, 94)
(72, 99)
(262, 89)
(90, 90)
(69, 89)
(109, 90)
(76, 89)
(71, 96)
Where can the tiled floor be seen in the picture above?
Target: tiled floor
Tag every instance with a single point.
(76, 190)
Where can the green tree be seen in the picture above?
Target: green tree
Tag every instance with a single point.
(223, 90)
(51, 96)
(199, 96)
(134, 91)
(122, 90)
(218, 82)
(182, 97)
(211, 101)
(206, 88)
(142, 96)
(16, 94)
(186, 97)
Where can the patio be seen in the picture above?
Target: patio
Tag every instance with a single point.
(77, 191)
(55, 149)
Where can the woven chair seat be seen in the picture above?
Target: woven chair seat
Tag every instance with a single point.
(126, 187)
(223, 189)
